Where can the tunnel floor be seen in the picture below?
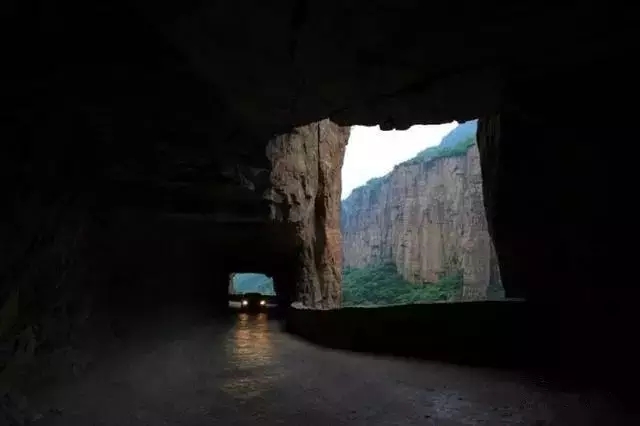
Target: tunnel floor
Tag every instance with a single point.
(243, 370)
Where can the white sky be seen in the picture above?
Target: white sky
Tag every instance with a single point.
(372, 152)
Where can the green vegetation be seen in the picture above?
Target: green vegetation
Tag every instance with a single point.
(462, 132)
(253, 283)
(455, 144)
(436, 152)
(377, 182)
(382, 285)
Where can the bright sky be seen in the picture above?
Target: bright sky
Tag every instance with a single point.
(372, 152)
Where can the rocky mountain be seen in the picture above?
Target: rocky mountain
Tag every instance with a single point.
(462, 132)
(427, 218)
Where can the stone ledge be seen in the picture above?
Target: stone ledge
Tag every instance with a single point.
(541, 340)
(441, 330)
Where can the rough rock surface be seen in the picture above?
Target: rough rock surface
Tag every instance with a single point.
(428, 219)
(305, 194)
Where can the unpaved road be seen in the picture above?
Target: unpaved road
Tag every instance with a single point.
(245, 371)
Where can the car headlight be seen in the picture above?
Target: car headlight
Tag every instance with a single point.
(262, 302)
(245, 302)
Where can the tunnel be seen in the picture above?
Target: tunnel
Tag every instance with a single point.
(150, 149)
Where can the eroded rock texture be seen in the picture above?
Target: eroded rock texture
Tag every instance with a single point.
(428, 219)
(305, 195)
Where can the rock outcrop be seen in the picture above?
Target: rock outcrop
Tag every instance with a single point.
(305, 196)
(427, 217)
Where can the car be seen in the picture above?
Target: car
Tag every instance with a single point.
(253, 302)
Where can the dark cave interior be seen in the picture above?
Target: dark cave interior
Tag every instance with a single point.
(150, 149)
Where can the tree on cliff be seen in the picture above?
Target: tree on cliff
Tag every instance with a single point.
(383, 285)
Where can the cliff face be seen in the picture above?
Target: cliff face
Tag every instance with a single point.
(428, 218)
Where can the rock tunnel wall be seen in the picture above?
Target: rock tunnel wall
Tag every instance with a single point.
(78, 268)
(554, 180)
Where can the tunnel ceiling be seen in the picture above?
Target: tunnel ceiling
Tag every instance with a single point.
(394, 63)
(271, 65)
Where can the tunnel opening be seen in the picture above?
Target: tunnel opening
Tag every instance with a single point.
(251, 282)
(413, 222)
(252, 291)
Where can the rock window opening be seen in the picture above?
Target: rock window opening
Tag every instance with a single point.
(413, 220)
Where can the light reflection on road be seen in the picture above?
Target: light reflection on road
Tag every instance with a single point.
(251, 357)
(251, 345)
